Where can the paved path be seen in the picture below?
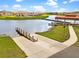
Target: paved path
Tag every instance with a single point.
(72, 39)
(45, 47)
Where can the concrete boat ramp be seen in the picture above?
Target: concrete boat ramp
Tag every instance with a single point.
(44, 47)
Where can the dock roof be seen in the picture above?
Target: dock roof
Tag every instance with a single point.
(68, 17)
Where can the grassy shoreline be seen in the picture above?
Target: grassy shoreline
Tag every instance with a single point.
(58, 33)
(22, 18)
(9, 49)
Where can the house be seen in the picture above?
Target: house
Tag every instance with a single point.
(6, 13)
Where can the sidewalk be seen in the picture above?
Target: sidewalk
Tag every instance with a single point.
(72, 39)
(45, 47)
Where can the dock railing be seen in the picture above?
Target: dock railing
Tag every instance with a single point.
(26, 34)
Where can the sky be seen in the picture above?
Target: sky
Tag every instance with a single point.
(40, 5)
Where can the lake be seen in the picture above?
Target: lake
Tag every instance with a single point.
(31, 26)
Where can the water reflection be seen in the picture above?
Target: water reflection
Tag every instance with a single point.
(8, 27)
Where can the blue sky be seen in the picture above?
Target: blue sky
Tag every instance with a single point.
(40, 5)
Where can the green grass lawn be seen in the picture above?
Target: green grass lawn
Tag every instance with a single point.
(23, 18)
(9, 49)
(58, 33)
(76, 28)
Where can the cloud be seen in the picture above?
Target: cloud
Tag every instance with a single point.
(76, 9)
(4, 6)
(65, 2)
(16, 6)
(70, 1)
(52, 3)
(19, 7)
(39, 8)
(61, 10)
(22, 9)
(19, 0)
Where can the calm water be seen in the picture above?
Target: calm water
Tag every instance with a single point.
(8, 26)
(32, 26)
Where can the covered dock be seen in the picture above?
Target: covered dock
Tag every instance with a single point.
(69, 17)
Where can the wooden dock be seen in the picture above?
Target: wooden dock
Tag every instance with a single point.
(26, 34)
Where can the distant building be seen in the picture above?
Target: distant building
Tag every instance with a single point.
(6, 13)
(26, 14)
(19, 13)
(71, 13)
